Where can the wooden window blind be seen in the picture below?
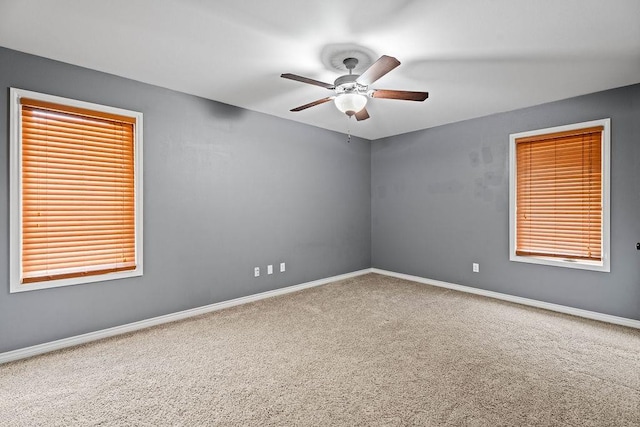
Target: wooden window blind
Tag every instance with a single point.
(77, 192)
(559, 195)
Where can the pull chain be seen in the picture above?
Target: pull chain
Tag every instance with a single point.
(349, 130)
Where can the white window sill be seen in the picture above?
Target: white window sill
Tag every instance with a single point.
(602, 266)
(16, 286)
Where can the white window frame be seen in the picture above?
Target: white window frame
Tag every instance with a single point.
(15, 192)
(602, 266)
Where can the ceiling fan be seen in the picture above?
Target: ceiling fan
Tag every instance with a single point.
(352, 90)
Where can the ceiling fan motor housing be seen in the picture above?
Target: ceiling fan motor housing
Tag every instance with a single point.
(348, 84)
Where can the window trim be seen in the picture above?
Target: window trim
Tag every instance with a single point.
(15, 191)
(602, 266)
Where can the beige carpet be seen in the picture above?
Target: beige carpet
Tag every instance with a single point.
(367, 351)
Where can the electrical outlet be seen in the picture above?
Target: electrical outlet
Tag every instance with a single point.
(476, 267)
(282, 267)
(256, 272)
(270, 269)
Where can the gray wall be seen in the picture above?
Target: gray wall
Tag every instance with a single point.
(225, 189)
(440, 203)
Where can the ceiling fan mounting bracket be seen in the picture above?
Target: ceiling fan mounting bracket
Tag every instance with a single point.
(333, 56)
(350, 63)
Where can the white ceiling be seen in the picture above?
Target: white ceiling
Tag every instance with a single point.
(473, 57)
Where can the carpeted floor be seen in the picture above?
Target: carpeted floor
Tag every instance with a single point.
(366, 351)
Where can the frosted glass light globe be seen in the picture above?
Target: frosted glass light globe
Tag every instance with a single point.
(350, 103)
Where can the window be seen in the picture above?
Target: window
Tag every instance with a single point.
(559, 196)
(76, 192)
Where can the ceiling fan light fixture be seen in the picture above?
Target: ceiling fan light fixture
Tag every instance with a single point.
(350, 103)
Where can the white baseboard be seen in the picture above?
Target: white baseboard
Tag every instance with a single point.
(35, 350)
(632, 323)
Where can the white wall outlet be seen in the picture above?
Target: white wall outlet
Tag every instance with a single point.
(476, 267)
(256, 272)
(282, 267)
(270, 269)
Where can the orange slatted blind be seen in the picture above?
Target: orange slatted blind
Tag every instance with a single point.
(78, 207)
(559, 194)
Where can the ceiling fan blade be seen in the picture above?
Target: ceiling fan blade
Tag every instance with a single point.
(313, 104)
(378, 69)
(307, 80)
(400, 94)
(362, 114)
